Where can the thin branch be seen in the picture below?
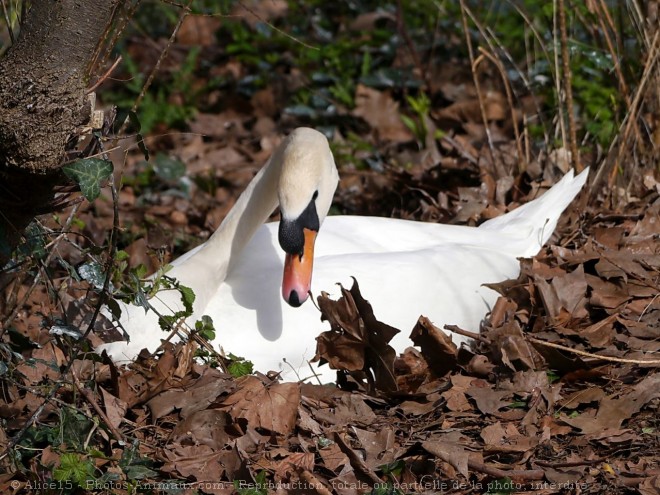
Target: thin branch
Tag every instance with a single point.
(403, 31)
(568, 86)
(87, 394)
(474, 64)
(105, 76)
(626, 126)
(558, 72)
(589, 354)
(120, 26)
(6, 13)
(466, 333)
(275, 28)
(184, 13)
(522, 163)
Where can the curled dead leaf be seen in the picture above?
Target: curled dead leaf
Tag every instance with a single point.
(357, 341)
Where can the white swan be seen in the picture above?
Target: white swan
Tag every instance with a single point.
(404, 268)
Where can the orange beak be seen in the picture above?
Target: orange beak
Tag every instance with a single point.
(297, 279)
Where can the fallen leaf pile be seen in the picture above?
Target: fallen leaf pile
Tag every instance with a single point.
(560, 392)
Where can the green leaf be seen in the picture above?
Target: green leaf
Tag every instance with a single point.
(35, 244)
(385, 489)
(114, 308)
(324, 442)
(141, 271)
(169, 168)
(259, 487)
(92, 272)
(502, 486)
(88, 173)
(121, 255)
(73, 468)
(205, 328)
(74, 428)
(188, 298)
(239, 366)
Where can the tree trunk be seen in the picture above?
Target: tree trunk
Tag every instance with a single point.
(43, 78)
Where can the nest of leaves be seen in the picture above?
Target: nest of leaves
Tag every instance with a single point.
(559, 392)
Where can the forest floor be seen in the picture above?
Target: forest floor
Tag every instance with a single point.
(559, 394)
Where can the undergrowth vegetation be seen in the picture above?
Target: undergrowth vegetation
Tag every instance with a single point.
(541, 83)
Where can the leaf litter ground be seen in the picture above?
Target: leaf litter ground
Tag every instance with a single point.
(559, 393)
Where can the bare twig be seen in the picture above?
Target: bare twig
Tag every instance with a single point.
(119, 22)
(516, 474)
(558, 72)
(53, 250)
(474, 63)
(581, 462)
(626, 126)
(568, 86)
(89, 396)
(105, 76)
(473, 335)
(522, 163)
(589, 354)
(275, 28)
(9, 28)
(603, 18)
(184, 13)
(403, 31)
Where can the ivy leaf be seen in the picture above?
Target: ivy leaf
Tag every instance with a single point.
(169, 168)
(239, 366)
(205, 328)
(93, 273)
(188, 298)
(88, 173)
(74, 468)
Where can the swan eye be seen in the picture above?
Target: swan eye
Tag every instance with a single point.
(315, 195)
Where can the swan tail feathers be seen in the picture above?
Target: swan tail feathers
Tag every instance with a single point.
(537, 220)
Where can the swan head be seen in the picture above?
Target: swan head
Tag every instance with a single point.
(307, 183)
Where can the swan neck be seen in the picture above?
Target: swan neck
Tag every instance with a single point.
(251, 210)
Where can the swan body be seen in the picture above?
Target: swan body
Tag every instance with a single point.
(405, 268)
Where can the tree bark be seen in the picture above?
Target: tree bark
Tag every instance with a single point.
(43, 78)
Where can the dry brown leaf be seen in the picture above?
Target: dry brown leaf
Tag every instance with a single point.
(449, 447)
(196, 396)
(367, 21)
(259, 11)
(115, 409)
(196, 30)
(333, 457)
(357, 341)
(612, 412)
(437, 347)
(272, 406)
(44, 365)
(199, 462)
(288, 465)
(378, 446)
(208, 427)
(382, 113)
(489, 401)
